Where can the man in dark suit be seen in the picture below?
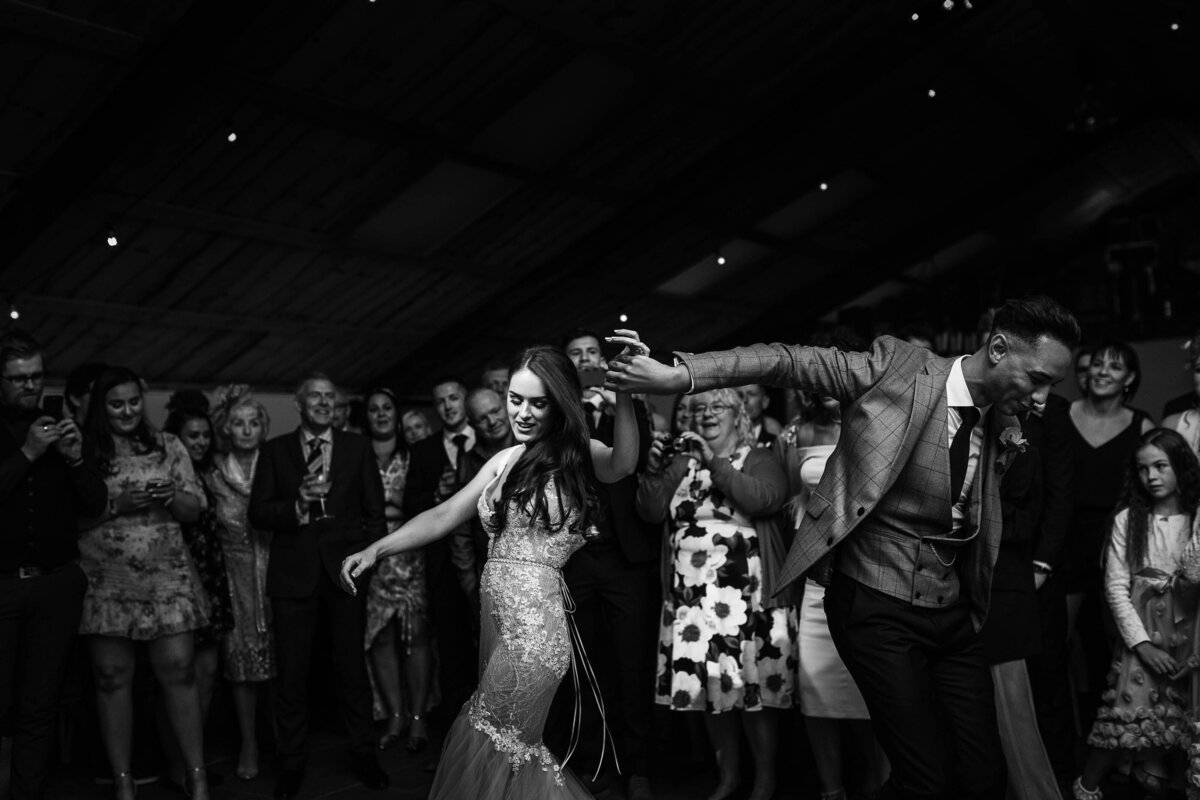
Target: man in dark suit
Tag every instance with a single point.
(905, 523)
(613, 581)
(1036, 499)
(45, 486)
(318, 491)
(435, 472)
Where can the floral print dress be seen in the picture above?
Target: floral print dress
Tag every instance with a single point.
(397, 588)
(142, 583)
(719, 648)
(1141, 711)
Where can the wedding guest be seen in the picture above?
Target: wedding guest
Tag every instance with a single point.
(763, 428)
(681, 420)
(835, 714)
(78, 391)
(1104, 431)
(495, 377)
(723, 648)
(143, 586)
(1083, 369)
(187, 419)
(613, 583)
(1182, 413)
(248, 650)
(415, 426)
(45, 483)
(397, 637)
(317, 490)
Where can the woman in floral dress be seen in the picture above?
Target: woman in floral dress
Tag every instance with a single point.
(721, 648)
(142, 584)
(248, 650)
(397, 625)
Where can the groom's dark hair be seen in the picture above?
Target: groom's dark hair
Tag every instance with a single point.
(1031, 318)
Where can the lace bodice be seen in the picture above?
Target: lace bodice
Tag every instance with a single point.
(528, 539)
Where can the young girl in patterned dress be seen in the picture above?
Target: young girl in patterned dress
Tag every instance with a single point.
(1142, 721)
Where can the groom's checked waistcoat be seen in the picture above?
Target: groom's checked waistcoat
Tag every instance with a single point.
(886, 488)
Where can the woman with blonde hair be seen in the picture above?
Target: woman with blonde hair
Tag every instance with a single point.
(248, 649)
(722, 646)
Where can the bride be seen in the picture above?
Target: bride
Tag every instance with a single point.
(537, 501)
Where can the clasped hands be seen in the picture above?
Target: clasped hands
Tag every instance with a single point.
(633, 370)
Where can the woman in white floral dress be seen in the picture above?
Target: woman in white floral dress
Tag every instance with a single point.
(535, 501)
(721, 648)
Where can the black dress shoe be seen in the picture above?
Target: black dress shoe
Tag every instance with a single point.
(367, 768)
(288, 785)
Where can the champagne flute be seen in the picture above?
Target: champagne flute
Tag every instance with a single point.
(321, 487)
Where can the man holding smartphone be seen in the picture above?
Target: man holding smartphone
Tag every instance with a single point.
(44, 487)
(612, 581)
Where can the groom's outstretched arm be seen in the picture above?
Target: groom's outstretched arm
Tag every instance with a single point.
(833, 372)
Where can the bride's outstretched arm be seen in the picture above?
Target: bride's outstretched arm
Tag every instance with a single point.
(424, 528)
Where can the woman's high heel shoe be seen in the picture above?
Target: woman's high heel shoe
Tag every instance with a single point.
(417, 741)
(394, 733)
(123, 786)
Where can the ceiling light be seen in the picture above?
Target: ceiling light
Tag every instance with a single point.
(932, 92)
(232, 137)
(720, 259)
(624, 318)
(1174, 26)
(824, 186)
(112, 238)
(12, 311)
(915, 17)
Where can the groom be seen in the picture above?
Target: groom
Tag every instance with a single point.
(905, 524)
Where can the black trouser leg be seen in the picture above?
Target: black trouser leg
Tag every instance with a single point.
(295, 621)
(39, 619)
(929, 691)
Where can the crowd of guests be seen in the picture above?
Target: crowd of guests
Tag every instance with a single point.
(206, 550)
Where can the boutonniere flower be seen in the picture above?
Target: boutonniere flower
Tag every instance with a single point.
(1012, 443)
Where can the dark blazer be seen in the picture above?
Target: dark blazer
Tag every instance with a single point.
(425, 467)
(355, 501)
(638, 540)
(888, 396)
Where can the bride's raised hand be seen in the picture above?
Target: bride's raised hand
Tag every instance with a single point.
(633, 370)
(354, 566)
(634, 346)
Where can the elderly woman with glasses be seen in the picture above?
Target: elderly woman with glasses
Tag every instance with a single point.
(722, 647)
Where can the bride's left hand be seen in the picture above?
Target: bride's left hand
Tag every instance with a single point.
(634, 347)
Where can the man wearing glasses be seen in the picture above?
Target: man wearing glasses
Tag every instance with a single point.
(44, 486)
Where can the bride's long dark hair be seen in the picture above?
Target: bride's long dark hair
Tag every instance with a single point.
(561, 453)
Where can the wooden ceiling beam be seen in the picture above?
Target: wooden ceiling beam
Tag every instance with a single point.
(38, 22)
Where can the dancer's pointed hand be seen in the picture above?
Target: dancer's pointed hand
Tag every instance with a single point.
(355, 565)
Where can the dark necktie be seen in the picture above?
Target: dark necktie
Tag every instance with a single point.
(315, 465)
(315, 462)
(460, 449)
(960, 450)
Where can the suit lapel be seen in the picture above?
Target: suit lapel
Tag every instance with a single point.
(295, 449)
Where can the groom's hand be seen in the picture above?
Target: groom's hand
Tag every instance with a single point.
(641, 373)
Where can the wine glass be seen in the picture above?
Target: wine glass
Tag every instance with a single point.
(320, 486)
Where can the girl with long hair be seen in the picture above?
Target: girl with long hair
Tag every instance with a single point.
(1141, 720)
(537, 501)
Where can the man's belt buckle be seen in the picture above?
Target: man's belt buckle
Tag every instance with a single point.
(28, 572)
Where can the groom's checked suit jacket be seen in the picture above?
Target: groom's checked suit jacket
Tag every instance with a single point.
(890, 396)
